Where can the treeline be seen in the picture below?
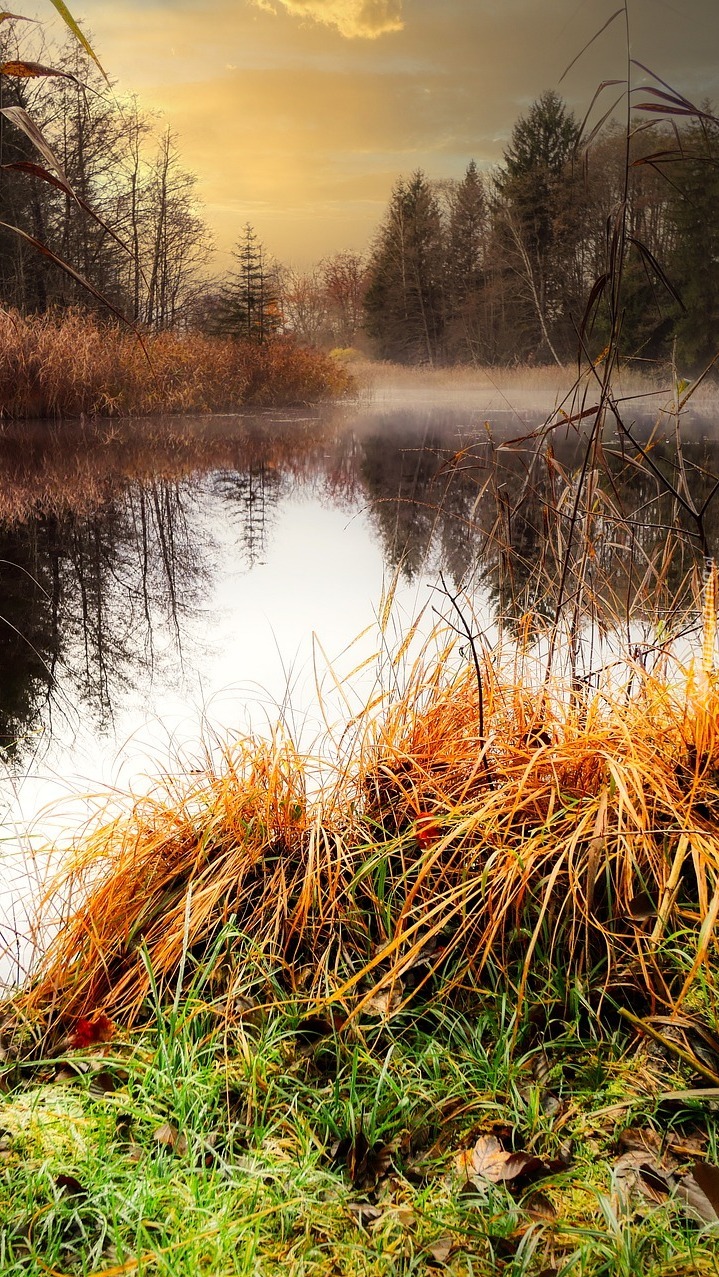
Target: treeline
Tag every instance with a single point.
(499, 268)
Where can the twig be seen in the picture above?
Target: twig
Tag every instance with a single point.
(670, 1046)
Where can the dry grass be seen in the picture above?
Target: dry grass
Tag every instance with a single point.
(576, 839)
(70, 365)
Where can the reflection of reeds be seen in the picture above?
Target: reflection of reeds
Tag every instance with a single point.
(591, 834)
(72, 366)
(78, 467)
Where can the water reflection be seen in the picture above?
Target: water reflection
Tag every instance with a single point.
(116, 543)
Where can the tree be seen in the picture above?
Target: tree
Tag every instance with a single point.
(404, 298)
(133, 229)
(467, 235)
(249, 305)
(694, 263)
(304, 304)
(344, 277)
(539, 216)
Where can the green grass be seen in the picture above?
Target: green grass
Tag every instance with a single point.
(256, 1183)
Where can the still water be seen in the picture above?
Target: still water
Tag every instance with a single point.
(167, 585)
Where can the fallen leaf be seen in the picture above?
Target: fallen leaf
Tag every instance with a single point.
(707, 1177)
(90, 1030)
(638, 1171)
(539, 1207)
(642, 907)
(364, 1213)
(102, 1084)
(488, 1161)
(692, 1194)
(69, 1186)
(385, 1002)
(366, 1163)
(427, 829)
(169, 1137)
(440, 1250)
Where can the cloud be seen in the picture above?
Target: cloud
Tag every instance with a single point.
(364, 19)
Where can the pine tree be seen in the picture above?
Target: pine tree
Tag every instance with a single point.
(248, 305)
(539, 216)
(404, 298)
(465, 258)
(695, 261)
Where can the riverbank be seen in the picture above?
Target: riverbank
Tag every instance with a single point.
(71, 365)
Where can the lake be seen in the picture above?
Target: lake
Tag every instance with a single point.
(168, 585)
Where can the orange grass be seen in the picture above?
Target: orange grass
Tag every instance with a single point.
(71, 365)
(577, 837)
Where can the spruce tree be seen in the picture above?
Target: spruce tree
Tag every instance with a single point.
(248, 305)
(404, 299)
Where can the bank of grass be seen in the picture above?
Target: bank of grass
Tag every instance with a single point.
(72, 365)
(297, 1002)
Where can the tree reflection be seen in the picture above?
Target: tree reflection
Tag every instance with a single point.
(103, 540)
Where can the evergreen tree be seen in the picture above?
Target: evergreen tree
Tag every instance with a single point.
(248, 305)
(404, 298)
(539, 212)
(466, 244)
(694, 267)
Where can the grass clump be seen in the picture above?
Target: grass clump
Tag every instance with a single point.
(72, 365)
(482, 834)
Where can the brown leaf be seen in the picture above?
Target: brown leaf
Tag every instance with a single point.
(169, 1137)
(638, 1171)
(385, 1002)
(707, 1177)
(440, 1251)
(642, 1138)
(102, 1084)
(488, 1161)
(69, 1186)
(539, 1207)
(642, 907)
(364, 1213)
(366, 1163)
(691, 1192)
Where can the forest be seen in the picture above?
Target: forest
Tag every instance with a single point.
(494, 268)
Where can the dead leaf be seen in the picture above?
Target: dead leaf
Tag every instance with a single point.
(169, 1137)
(405, 1215)
(539, 1207)
(639, 1171)
(366, 1163)
(440, 1251)
(707, 1177)
(102, 1084)
(364, 1214)
(385, 1002)
(69, 1186)
(488, 1161)
(642, 907)
(691, 1193)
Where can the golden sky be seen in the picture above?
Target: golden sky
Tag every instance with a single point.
(298, 115)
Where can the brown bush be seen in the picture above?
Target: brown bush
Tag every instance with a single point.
(71, 365)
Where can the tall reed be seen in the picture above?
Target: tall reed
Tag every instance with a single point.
(71, 365)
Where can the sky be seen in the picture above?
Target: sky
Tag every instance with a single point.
(299, 115)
